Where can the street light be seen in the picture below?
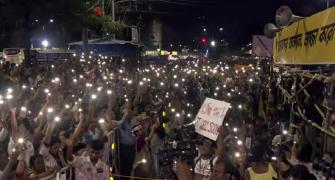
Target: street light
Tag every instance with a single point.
(213, 43)
(45, 43)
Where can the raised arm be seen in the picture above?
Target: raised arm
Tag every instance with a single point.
(75, 137)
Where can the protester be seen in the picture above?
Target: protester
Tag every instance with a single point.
(97, 118)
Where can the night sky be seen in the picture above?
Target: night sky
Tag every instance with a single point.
(240, 19)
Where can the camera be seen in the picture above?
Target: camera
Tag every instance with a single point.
(324, 166)
(183, 147)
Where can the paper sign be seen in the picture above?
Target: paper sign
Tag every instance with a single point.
(210, 118)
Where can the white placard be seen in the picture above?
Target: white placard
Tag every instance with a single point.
(210, 118)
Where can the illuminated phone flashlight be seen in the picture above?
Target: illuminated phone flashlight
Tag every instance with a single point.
(130, 81)
(141, 83)
(251, 80)
(46, 91)
(229, 94)
(57, 79)
(177, 115)
(144, 161)
(57, 119)
(188, 115)
(20, 140)
(24, 87)
(173, 110)
(239, 142)
(215, 94)
(101, 121)
(99, 88)
(274, 158)
(67, 106)
(237, 154)
(52, 66)
(176, 85)
(75, 80)
(121, 71)
(81, 76)
(109, 91)
(235, 129)
(9, 96)
(285, 132)
(183, 79)
(240, 106)
(94, 96)
(226, 124)
(80, 100)
(24, 109)
(1, 101)
(9, 90)
(32, 88)
(80, 110)
(217, 88)
(50, 110)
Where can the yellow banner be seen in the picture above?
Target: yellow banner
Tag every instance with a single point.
(308, 41)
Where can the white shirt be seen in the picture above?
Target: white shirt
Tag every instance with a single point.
(204, 167)
(29, 152)
(85, 170)
(49, 160)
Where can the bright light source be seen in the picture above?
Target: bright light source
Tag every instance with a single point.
(237, 154)
(226, 124)
(9, 96)
(9, 90)
(20, 140)
(221, 29)
(109, 91)
(130, 81)
(176, 85)
(274, 158)
(235, 129)
(144, 161)
(213, 43)
(67, 106)
(251, 80)
(141, 83)
(51, 20)
(204, 30)
(50, 110)
(57, 119)
(94, 96)
(173, 110)
(101, 121)
(239, 142)
(24, 87)
(189, 115)
(240, 106)
(45, 43)
(177, 115)
(23, 108)
(285, 132)
(162, 84)
(46, 90)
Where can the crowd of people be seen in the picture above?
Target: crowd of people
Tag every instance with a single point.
(97, 118)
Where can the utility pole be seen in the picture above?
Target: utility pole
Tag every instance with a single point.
(113, 10)
(85, 31)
